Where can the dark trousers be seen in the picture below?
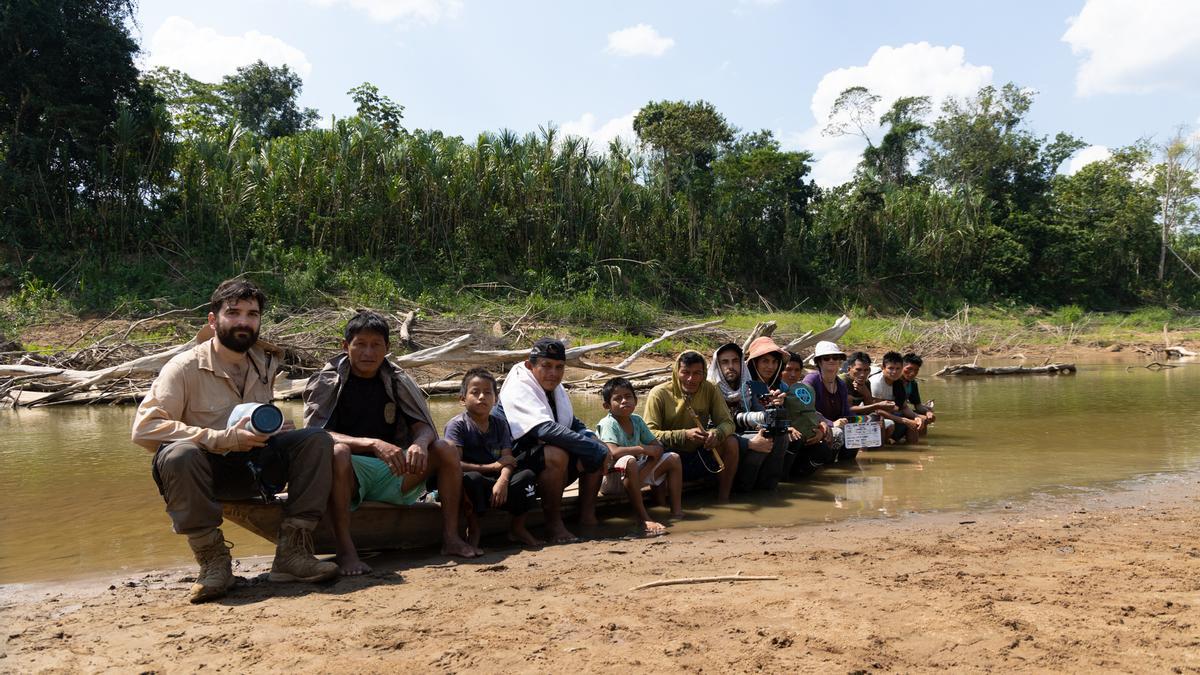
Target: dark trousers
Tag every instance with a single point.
(193, 481)
(760, 470)
(522, 493)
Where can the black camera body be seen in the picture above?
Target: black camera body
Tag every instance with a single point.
(775, 421)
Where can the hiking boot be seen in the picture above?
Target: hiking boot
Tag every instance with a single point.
(294, 559)
(216, 566)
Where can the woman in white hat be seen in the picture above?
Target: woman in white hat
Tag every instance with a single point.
(833, 396)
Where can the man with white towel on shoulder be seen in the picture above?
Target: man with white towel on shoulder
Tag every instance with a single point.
(547, 437)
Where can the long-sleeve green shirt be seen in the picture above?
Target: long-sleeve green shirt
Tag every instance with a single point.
(666, 412)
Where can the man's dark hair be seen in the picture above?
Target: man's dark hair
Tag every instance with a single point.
(893, 357)
(793, 357)
(857, 357)
(477, 373)
(615, 384)
(233, 290)
(914, 359)
(366, 320)
(690, 359)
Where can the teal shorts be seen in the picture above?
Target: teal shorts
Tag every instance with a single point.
(377, 483)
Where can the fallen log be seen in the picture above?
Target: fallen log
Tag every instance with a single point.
(761, 329)
(628, 361)
(967, 369)
(810, 339)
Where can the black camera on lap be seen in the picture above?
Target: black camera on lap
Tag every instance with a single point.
(773, 420)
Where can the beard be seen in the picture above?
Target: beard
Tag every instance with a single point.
(239, 340)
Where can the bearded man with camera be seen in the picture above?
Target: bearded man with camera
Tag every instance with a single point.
(202, 454)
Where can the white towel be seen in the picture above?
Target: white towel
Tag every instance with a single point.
(525, 403)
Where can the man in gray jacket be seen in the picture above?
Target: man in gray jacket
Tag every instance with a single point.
(385, 444)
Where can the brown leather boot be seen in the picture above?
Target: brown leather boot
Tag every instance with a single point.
(294, 559)
(216, 566)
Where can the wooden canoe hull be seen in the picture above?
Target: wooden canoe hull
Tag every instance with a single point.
(376, 526)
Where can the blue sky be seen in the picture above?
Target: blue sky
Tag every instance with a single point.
(1109, 71)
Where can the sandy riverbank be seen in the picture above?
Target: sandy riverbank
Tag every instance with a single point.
(1093, 582)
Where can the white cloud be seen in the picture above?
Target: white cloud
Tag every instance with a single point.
(208, 56)
(1092, 153)
(639, 40)
(1133, 46)
(601, 135)
(404, 11)
(919, 69)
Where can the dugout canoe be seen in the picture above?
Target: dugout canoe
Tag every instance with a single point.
(376, 526)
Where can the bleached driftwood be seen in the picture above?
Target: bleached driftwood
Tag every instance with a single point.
(667, 335)
(809, 339)
(969, 369)
(761, 329)
(406, 327)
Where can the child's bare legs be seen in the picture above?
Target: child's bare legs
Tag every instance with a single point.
(468, 512)
(672, 468)
(339, 512)
(633, 488)
(518, 532)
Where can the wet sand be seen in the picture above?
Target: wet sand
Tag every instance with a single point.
(1103, 581)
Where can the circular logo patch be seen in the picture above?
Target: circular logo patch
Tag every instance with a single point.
(805, 395)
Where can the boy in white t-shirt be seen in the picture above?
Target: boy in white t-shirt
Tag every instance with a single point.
(639, 459)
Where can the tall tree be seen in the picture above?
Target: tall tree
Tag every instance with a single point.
(685, 138)
(264, 100)
(377, 108)
(1175, 178)
(66, 76)
(196, 107)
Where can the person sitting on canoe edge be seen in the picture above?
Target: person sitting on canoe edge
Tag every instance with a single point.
(638, 458)
(833, 398)
(688, 415)
(888, 384)
(761, 459)
(908, 372)
(549, 439)
(200, 458)
(385, 446)
(807, 429)
(490, 476)
(862, 401)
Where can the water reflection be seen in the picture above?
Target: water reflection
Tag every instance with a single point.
(76, 498)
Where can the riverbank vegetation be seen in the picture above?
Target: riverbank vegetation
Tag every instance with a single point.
(132, 192)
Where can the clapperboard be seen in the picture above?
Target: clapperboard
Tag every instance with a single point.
(862, 432)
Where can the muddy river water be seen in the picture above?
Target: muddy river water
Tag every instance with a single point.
(77, 500)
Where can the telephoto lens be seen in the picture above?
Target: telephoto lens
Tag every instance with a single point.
(265, 419)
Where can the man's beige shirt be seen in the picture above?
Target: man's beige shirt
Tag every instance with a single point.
(193, 395)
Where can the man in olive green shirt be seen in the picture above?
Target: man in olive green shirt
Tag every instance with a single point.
(689, 415)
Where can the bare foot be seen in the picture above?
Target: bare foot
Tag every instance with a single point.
(458, 547)
(524, 536)
(677, 515)
(351, 565)
(474, 535)
(560, 535)
(652, 529)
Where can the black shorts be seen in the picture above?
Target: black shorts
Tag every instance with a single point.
(698, 465)
(522, 492)
(534, 459)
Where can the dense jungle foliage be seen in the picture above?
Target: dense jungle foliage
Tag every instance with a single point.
(118, 188)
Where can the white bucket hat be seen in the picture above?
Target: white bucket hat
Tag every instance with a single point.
(827, 348)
